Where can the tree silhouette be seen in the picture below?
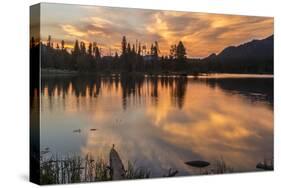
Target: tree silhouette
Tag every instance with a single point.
(124, 45)
(133, 49)
(135, 58)
(156, 50)
(49, 41)
(139, 49)
(90, 49)
(76, 50)
(129, 48)
(96, 51)
(180, 51)
(62, 44)
(82, 48)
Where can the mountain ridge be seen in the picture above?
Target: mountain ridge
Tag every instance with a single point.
(254, 56)
(253, 45)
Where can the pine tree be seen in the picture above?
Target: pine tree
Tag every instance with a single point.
(129, 48)
(90, 49)
(139, 49)
(94, 48)
(76, 50)
(116, 55)
(151, 49)
(62, 44)
(180, 51)
(156, 49)
(82, 48)
(133, 50)
(97, 53)
(124, 45)
(49, 41)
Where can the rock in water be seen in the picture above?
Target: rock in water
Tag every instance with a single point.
(198, 164)
(117, 170)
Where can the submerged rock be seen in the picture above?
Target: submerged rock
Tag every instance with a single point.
(198, 164)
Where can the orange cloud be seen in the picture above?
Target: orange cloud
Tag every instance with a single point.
(71, 30)
(201, 33)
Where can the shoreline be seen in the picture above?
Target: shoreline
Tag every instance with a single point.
(60, 72)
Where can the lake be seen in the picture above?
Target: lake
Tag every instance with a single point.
(160, 122)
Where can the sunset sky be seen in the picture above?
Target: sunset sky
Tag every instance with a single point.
(201, 33)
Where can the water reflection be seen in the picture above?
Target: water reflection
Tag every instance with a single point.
(255, 89)
(133, 88)
(160, 122)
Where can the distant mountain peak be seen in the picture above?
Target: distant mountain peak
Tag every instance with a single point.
(253, 48)
(257, 53)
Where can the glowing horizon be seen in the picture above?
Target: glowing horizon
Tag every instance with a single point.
(201, 33)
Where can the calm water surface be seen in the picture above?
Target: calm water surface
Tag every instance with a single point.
(161, 122)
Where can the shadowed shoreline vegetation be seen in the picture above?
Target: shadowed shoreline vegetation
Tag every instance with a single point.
(76, 169)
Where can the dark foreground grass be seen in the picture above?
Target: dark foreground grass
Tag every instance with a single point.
(76, 169)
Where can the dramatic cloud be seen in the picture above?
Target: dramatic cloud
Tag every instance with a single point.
(73, 31)
(201, 33)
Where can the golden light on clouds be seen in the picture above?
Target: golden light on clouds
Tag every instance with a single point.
(71, 30)
(201, 33)
(100, 22)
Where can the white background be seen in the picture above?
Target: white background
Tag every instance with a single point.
(14, 96)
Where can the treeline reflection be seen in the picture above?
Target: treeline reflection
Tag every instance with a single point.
(140, 88)
(255, 89)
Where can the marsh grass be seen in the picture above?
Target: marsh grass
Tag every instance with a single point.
(136, 173)
(267, 164)
(76, 169)
(218, 166)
